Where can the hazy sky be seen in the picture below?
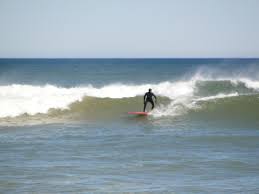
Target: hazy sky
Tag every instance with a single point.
(129, 28)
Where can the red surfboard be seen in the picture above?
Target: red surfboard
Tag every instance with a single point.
(138, 113)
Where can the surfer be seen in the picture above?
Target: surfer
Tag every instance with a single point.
(148, 97)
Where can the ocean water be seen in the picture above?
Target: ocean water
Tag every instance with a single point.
(64, 126)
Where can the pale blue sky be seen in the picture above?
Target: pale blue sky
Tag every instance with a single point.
(129, 28)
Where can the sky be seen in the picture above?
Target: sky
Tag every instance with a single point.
(129, 28)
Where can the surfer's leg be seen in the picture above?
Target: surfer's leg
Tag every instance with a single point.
(151, 101)
(145, 104)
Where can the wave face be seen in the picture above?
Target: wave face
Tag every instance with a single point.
(199, 95)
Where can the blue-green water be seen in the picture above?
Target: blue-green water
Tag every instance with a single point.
(64, 126)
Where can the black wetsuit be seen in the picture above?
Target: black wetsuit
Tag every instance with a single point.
(148, 98)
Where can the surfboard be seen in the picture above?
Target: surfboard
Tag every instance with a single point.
(138, 113)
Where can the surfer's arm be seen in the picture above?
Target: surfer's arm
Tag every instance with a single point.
(155, 97)
(145, 97)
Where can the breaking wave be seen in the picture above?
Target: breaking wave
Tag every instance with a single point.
(196, 96)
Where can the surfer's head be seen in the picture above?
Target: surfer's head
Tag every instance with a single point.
(150, 90)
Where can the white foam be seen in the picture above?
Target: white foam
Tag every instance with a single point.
(253, 84)
(218, 96)
(177, 107)
(20, 99)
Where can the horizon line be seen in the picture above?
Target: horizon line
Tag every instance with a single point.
(122, 58)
